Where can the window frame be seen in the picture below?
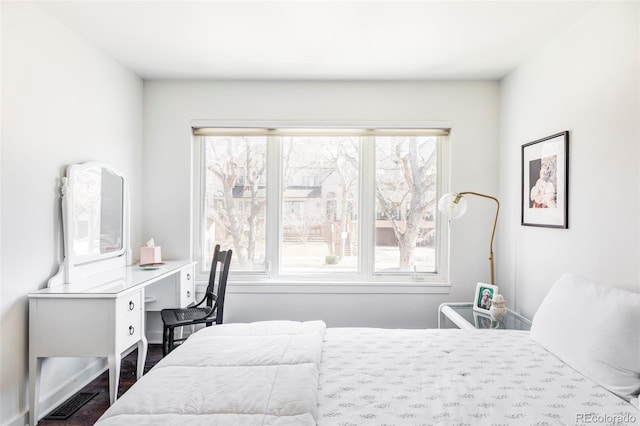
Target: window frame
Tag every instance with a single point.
(364, 280)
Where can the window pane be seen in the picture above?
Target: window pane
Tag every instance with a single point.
(406, 185)
(320, 204)
(235, 199)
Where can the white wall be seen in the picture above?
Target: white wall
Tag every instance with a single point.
(63, 102)
(470, 107)
(586, 81)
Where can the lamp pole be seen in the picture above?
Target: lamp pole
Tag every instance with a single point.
(456, 200)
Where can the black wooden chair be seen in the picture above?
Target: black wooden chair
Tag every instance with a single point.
(209, 314)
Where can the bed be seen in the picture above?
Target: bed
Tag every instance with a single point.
(303, 373)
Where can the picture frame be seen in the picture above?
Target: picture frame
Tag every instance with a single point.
(545, 182)
(484, 294)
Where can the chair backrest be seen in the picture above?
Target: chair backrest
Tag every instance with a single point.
(219, 263)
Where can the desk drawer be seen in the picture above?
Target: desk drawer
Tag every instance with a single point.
(129, 311)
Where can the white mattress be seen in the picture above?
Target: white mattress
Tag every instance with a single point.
(283, 373)
(455, 377)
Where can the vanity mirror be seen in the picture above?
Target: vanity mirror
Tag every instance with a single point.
(94, 222)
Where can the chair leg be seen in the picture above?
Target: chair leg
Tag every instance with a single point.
(165, 342)
(170, 342)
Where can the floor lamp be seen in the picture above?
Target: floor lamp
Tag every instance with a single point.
(454, 206)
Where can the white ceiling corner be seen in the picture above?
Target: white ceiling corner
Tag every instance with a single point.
(318, 40)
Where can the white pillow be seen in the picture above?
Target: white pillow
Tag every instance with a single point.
(595, 329)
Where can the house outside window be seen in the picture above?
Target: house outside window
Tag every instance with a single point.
(336, 204)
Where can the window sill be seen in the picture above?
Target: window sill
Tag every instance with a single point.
(333, 287)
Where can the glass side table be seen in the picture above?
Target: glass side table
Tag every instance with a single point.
(463, 316)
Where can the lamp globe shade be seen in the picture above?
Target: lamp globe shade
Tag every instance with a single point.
(450, 207)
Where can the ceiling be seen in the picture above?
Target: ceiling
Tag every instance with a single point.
(321, 40)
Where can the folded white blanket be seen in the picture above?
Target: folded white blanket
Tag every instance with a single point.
(263, 374)
(208, 420)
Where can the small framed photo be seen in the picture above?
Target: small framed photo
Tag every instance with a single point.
(545, 182)
(484, 294)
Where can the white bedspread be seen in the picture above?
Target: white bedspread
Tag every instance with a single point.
(239, 374)
(283, 373)
(455, 377)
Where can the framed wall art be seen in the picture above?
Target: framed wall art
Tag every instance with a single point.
(545, 182)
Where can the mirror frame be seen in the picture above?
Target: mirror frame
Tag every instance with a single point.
(76, 267)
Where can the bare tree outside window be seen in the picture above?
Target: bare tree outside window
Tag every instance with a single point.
(235, 184)
(406, 177)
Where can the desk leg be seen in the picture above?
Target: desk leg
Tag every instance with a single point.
(35, 363)
(35, 366)
(114, 376)
(143, 344)
(142, 356)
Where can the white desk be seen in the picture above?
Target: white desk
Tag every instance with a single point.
(99, 316)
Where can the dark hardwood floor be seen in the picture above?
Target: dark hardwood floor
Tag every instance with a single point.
(89, 413)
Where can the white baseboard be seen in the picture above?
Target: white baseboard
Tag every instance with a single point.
(154, 337)
(19, 420)
(71, 387)
(66, 390)
(63, 392)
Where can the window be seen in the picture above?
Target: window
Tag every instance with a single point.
(329, 204)
(320, 181)
(235, 194)
(406, 189)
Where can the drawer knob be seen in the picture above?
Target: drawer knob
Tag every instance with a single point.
(188, 276)
(131, 305)
(188, 293)
(131, 330)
